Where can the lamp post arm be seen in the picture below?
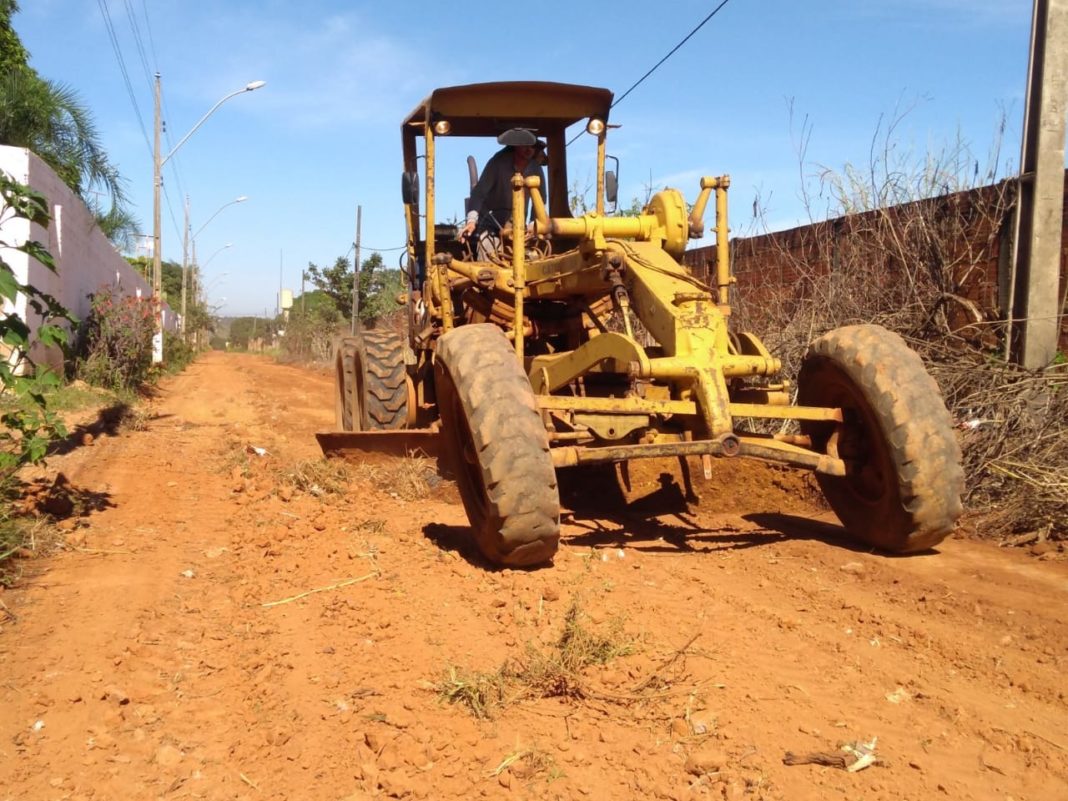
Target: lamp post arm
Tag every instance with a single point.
(249, 88)
(216, 214)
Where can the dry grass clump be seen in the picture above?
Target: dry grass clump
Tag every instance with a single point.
(408, 478)
(559, 672)
(528, 764)
(1014, 435)
(554, 673)
(904, 244)
(318, 477)
(482, 693)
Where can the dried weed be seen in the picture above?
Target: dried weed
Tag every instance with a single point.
(555, 673)
(409, 478)
(318, 477)
(904, 247)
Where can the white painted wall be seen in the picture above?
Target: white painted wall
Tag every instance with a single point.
(85, 259)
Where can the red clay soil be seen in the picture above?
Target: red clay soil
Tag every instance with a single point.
(228, 626)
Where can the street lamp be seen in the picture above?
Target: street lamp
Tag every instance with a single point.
(214, 282)
(157, 183)
(185, 246)
(198, 268)
(216, 253)
(240, 199)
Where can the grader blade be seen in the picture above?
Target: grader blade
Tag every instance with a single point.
(357, 445)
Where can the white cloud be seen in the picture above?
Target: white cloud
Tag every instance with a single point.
(335, 71)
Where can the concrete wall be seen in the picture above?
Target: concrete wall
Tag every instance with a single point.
(85, 259)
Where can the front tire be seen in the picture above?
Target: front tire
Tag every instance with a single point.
(902, 492)
(498, 446)
(371, 382)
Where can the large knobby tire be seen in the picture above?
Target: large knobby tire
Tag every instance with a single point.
(902, 492)
(371, 382)
(498, 447)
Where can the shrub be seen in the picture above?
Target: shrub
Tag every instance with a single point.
(177, 353)
(116, 350)
(28, 426)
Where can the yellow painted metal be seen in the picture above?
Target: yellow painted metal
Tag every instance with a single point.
(441, 300)
(697, 225)
(665, 223)
(771, 450)
(533, 184)
(442, 263)
(600, 172)
(786, 412)
(628, 405)
(612, 352)
(673, 233)
(518, 258)
(430, 189)
(611, 426)
(633, 405)
(723, 264)
(733, 366)
(551, 297)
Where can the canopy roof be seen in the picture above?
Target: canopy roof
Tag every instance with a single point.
(488, 109)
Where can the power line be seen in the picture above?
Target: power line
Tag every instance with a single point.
(700, 25)
(352, 247)
(654, 68)
(109, 25)
(135, 28)
(151, 41)
(138, 38)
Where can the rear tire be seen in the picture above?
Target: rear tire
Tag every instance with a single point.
(371, 382)
(498, 447)
(903, 490)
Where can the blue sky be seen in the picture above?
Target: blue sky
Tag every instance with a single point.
(323, 135)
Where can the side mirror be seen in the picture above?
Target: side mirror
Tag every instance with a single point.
(611, 187)
(410, 188)
(611, 184)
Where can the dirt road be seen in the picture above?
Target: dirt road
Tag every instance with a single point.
(231, 625)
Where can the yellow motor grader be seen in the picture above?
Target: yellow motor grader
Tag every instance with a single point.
(581, 339)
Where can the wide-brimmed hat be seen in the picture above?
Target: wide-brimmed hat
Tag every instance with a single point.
(518, 137)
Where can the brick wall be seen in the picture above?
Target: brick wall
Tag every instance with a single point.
(965, 234)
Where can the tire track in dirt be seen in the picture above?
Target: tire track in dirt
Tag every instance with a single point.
(792, 640)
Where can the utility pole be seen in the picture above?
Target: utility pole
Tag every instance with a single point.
(356, 273)
(157, 266)
(1034, 297)
(194, 280)
(185, 267)
(279, 304)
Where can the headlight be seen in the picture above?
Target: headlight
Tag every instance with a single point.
(442, 127)
(595, 126)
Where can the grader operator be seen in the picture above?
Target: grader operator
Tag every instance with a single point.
(583, 340)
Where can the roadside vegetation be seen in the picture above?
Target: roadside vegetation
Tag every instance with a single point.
(559, 671)
(49, 118)
(108, 355)
(905, 238)
(321, 312)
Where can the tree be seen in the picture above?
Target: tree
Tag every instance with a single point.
(245, 329)
(335, 282)
(377, 288)
(170, 281)
(48, 118)
(119, 225)
(312, 326)
(12, 54)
